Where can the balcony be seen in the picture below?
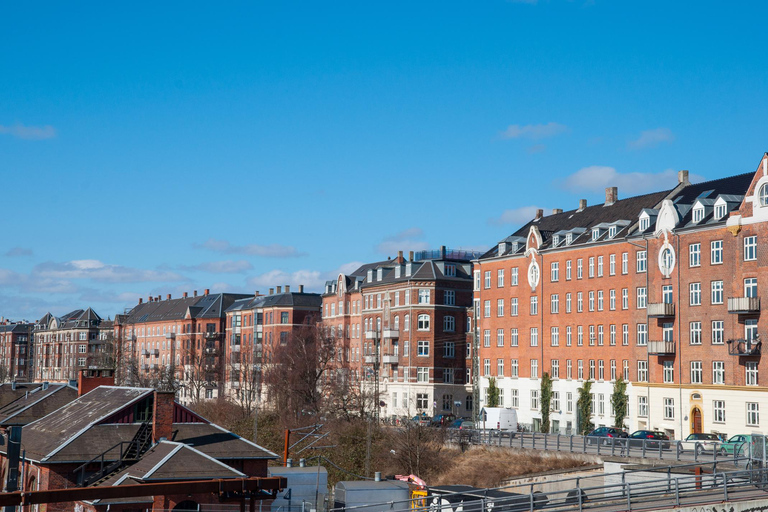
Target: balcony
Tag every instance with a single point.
(234, 348)
(661, 348)
(369, 359)
(744, 347)
(145, 352)
(390, 359)
(743, 305)
(370, 335)
(211, 335)
(155, 352)
(391, 334)
(210, 350)
(660, 310)
(170, 335)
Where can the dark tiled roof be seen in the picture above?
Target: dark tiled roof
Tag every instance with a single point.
(16, 328)
(290, 299)
(202, 306)
(8, 394)
(36, 404)
(735, 185)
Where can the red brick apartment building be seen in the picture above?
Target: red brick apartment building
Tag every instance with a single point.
(663, 290)
(255, 326)
(175, 340)
(15, 350)
(402, 325)
(66, 344)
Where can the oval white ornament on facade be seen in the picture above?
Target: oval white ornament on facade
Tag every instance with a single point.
(667, 259)
(534, 273)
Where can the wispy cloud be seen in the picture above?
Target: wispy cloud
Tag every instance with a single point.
(651, 138)
(222, 267)
(98, 271)
(536, 148)
(313, 280)
(533, 131)
(267, 251)
(411, 239)
(17, 252)
(20, 131)
(515, 216)
(596, 178)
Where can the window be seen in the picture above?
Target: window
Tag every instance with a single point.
(698, 214)
(449, 324)
(591, 301)
(696, 372)
(624, 262)
(569, 402)
(591, 266)
(592, 369)
(669, 372)
(423, 324)
(716, 252)
(477, 279)
(535, 399)
(666, 294)
(720, 211)
(613, 369)
(600, 300)
(718, 372)
(579, 335)
(645, 223)
(642, 406)
(534, 305)
(422, 400)
(601, 370)
(595, 234)
(751, 374)
(612, 335)
(499, 337)
(514, 368)
(612, 265)
(450, 270)
(642, 371)
(515, 396)
(513, 339)
(449, 349)
(579, 302)
(555, 271)
(500, 278)
(486, 367)
(695, 333)
(718, 411)
(555, 368)
(447, 402)
(513, 277)
(717, 292)
(580, 369)
(555, 336)
(750, 329)
(449, 298)
(641, 257)
(753, 414)
(641, 298)
(568, 270)
(600, 335)
(513, 306)
(579, 268)
(556, 401)
(612, 300)
(534, 368)
(500, 307)
(625, 369)
(669, 408)
(423, 296)
(600, 404)
(718, 332)
(625, 298)
(534, 336)
(750, 287)
(750, 248)
(568, 369)
(487, 279)
(625, 334)
(422, 372)
(487, 338)
(407, 323)
(555, 303)
(695, 294)
(599, 266)
(81, 361)
(499, 367)
(487, 309)
(694, 255)
(592, 336)
(568, 302)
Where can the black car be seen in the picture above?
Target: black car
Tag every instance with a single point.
(652, 439)
(606, 433)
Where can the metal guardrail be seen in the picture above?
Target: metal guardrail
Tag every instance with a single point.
(671, 491)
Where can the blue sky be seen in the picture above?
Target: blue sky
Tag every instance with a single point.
(154, 148)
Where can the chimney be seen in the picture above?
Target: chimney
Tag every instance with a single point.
(271, 291)
(301, 288)
(207, 291)
(399, 256)
(539, 214)
(611, 195)
(186, 295)
(168, 297)
(442, 252)
(195, 293)
(162, 415)
(555, 211)
(287, 288)
(88, 380)
(279, 289)
(159, 298)
(256, 294)
(682, 178)
(141, 300)
(582, 205)
(410, 255)
(149, 299)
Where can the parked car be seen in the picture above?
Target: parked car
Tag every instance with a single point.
(422, 420)
(738, 444)
(606, 433)
(443, 420)
(499, 421)
(652, 439)
(700, 443)
(462, 424)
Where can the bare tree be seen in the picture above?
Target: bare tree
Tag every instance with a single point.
(245, 376)
(201, 370)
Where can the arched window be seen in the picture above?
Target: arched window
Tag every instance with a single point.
(397, 323)
(763, 195)
(423, 324)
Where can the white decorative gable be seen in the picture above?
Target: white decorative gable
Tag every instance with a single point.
(668, 218)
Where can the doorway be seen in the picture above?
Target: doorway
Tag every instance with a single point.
(696, 420)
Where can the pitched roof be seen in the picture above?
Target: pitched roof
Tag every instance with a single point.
(35, 403)
(289, 299)
(202, 306)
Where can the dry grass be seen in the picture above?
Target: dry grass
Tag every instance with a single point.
(482, 467)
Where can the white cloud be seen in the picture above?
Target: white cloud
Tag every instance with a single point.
(596, 178)
(20, 131)
(533, 131)
(222, 267)
(536, 148)
(98, 271)
(411, 239)
(313, 280)
(18, 251)
(651, 138)
(516, 216)
(267, 251)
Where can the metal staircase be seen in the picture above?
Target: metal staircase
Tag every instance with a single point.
(116, 458)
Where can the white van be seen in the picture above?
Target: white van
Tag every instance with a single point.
(498, 420)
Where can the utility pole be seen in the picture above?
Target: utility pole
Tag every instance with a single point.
(476, 362)
(376, 364)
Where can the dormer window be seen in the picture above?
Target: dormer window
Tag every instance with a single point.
(502, 248)
(569, 239)
(763, 195)
(612, 231)
(645, 223)
(515, 246)
(555, 240)
(720, 211)
(698, 214)
(450, 270)
(595, 234)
